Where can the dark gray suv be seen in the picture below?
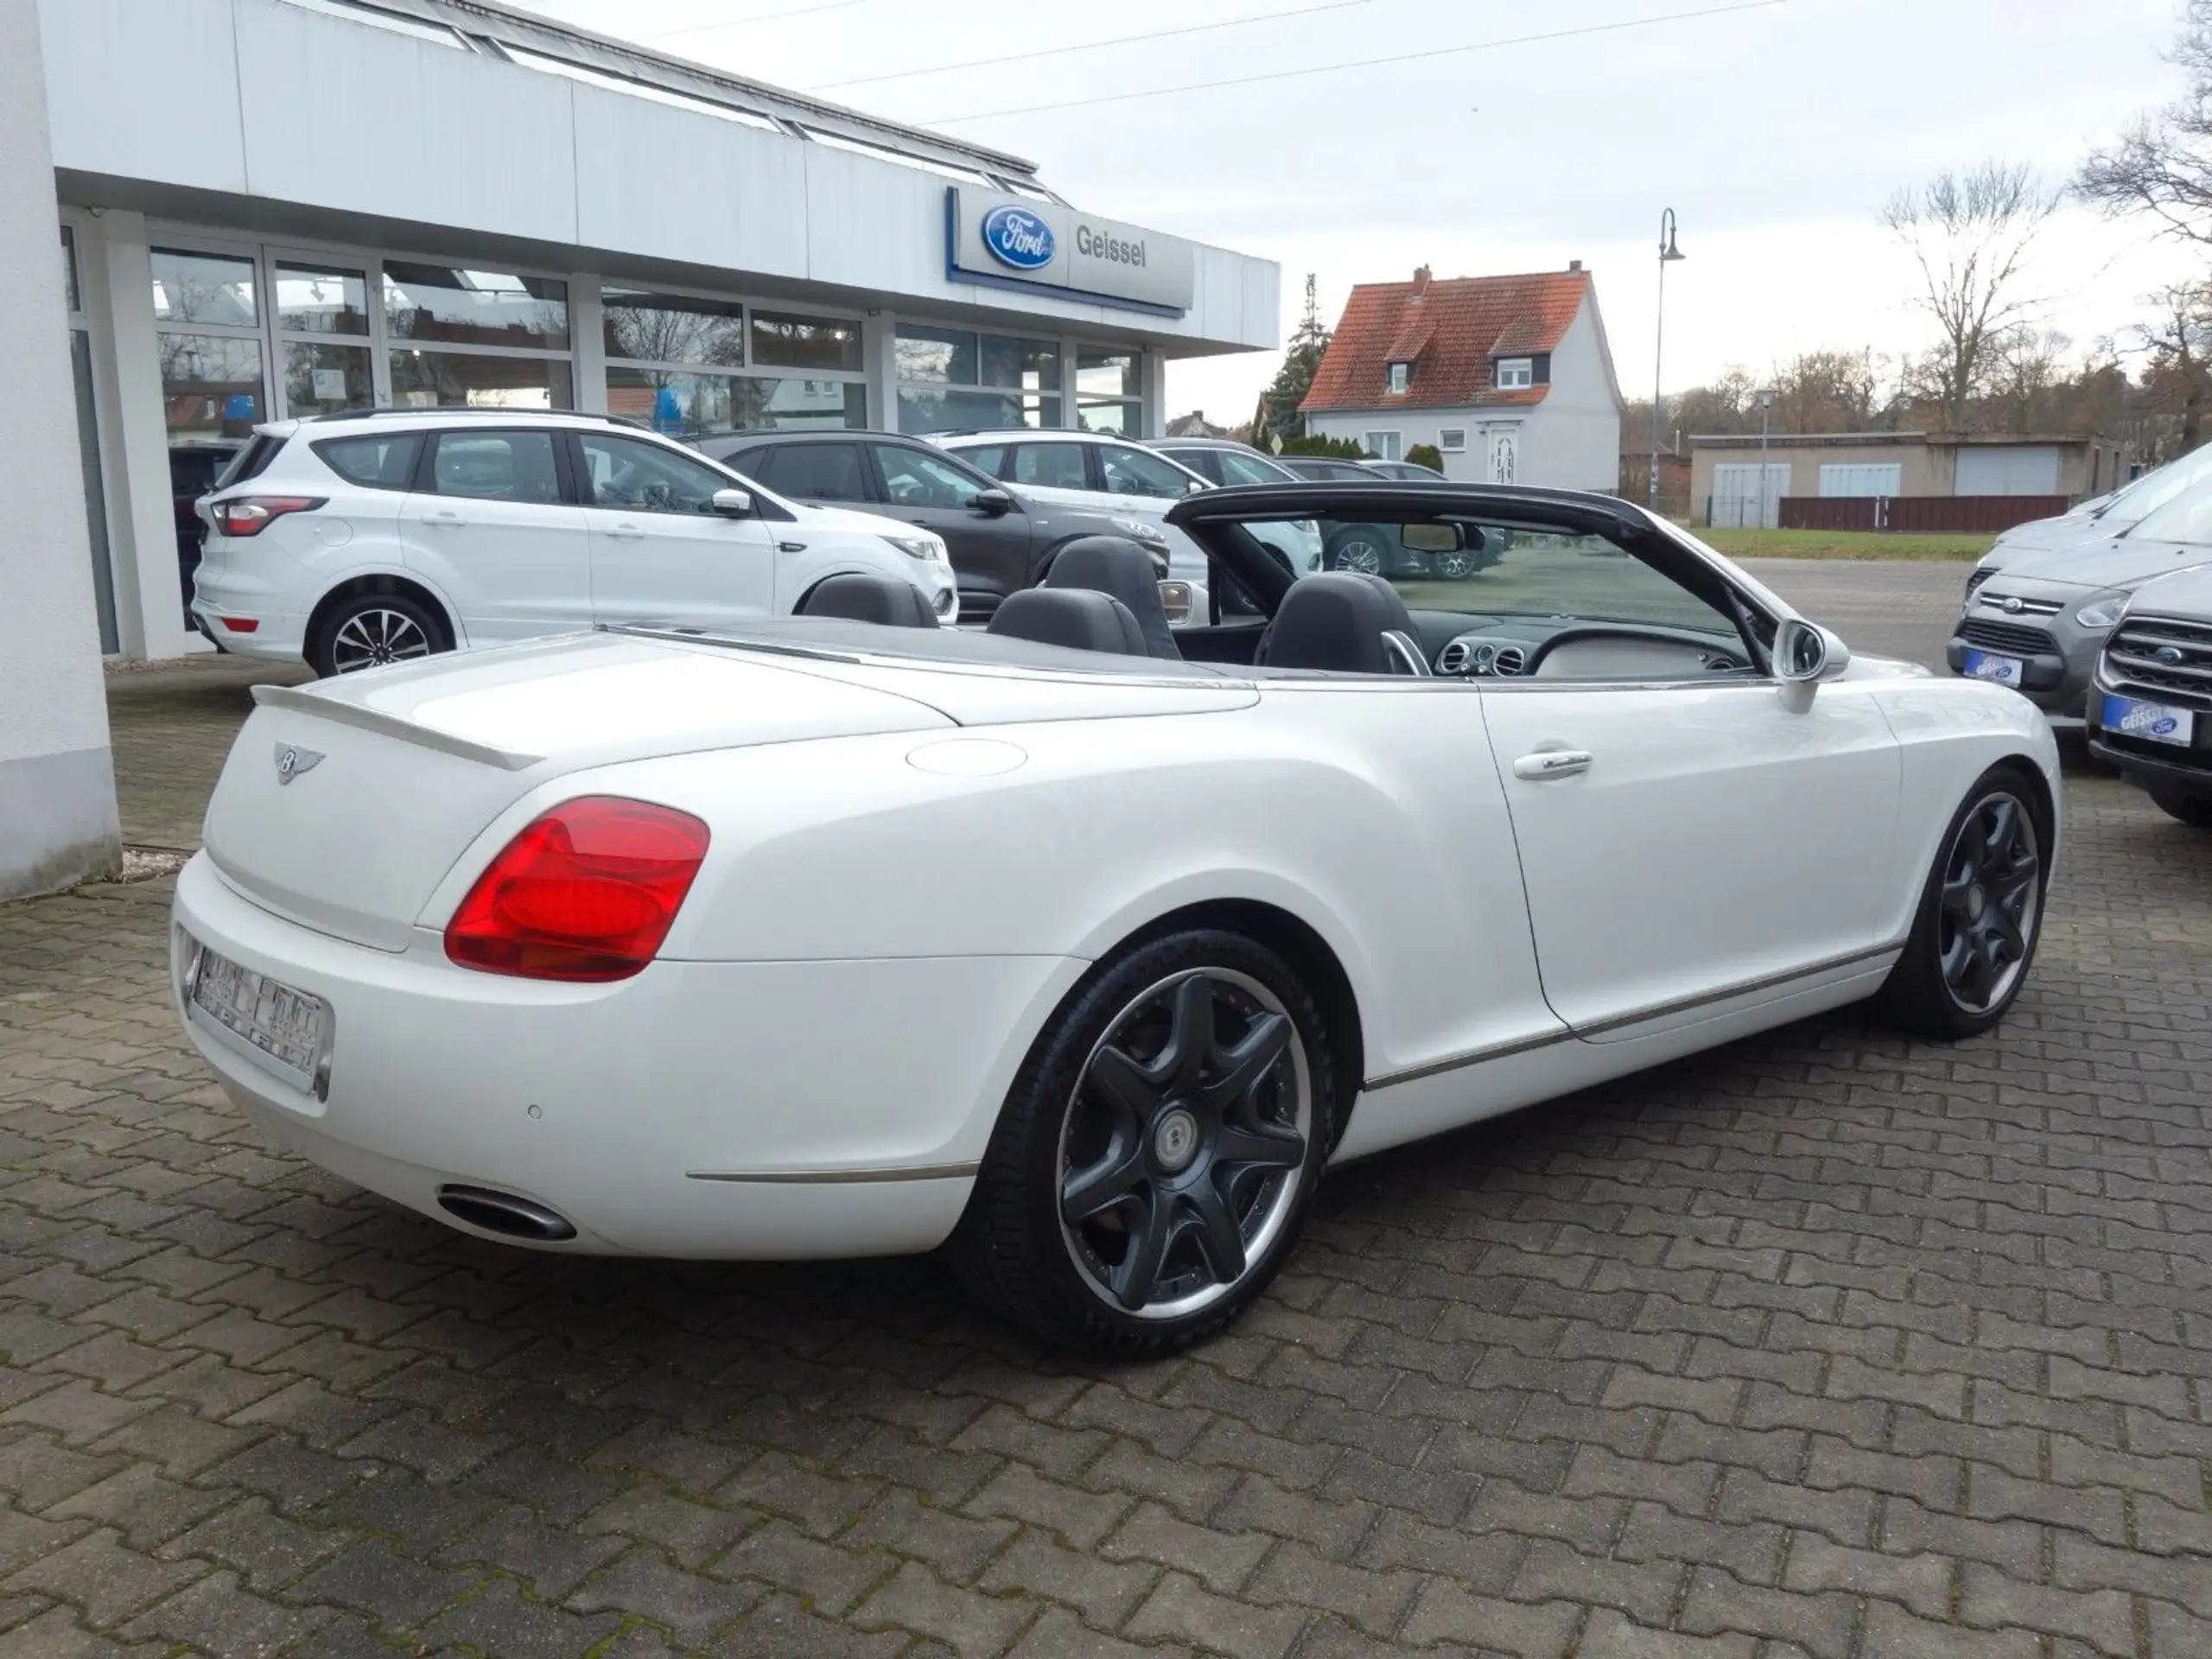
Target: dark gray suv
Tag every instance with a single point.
(1001, 539)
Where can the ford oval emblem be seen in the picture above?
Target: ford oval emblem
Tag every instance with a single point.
(1018, 237)
(2012, 605)
(2170, 655)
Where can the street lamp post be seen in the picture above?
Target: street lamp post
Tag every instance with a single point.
(1766, 412)
(1668, 254)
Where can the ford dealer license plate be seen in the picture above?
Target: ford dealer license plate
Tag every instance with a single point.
(2153, 721)
(2005, 670)
(267, 1021)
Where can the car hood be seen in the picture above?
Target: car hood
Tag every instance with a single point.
(2186, 594)
(849, 521)
(2109, 562)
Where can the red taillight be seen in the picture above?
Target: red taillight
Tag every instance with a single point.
(249, 515)
(587, 892)
(240, 624)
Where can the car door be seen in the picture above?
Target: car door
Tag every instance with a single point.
(660, 552)
(1687, 831)
(993, 551)
(827, 474)
(494, 526)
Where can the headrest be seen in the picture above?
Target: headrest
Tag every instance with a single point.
(1077, 617)
(871, 599)
(1119, 566)
(1341, 621)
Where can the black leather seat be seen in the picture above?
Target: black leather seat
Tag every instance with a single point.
(871, 599)
(1346, 622)
(1116, 565)
(1079, 617)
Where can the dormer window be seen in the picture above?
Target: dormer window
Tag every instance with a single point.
(1401, 376)
(1515, 373)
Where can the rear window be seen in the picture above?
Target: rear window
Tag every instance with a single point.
(376, 461)
(251, 461)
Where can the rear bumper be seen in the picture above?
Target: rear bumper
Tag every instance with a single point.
(740, 1110)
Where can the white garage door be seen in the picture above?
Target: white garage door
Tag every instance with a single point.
(1862, 478)
(2023, 469)
(1746, 495)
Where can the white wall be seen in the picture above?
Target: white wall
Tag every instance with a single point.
(292, 105)
(1571, 441)
(57, 779)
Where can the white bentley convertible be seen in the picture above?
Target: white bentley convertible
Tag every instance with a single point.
(1075, 947)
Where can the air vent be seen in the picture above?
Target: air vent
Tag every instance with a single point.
(1510, 659)
(1455, 657)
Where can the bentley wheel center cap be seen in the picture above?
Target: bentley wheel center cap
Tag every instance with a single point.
(1175, 1139)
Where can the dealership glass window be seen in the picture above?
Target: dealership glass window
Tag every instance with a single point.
(211, 385)
(430, 379)
(954, 378)
(678, 403)
(320, 380)
(645, 327)
(794, 342)
(1108, 391)
(456, 305)
(204, 290)
(322, 300)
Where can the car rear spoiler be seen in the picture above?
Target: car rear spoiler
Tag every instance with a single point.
(302, 701)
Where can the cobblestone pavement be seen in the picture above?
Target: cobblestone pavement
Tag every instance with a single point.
(1825, 1345)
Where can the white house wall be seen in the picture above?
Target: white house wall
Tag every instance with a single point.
(1571, 441)
(290, 105)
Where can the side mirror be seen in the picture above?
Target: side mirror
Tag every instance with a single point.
(1433, 538)
(1805, 654)
(996, 504)
(734, 504)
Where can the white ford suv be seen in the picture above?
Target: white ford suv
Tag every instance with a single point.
(359, 539)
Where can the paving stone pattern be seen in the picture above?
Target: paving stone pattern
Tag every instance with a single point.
(1825, 1345)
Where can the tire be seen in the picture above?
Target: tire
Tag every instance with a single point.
(1188, 1166)
(370, 629)
(1360, 551)
(1455, 567)
(1980, 914)
(2195, 810)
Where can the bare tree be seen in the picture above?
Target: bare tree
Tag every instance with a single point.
(2178, 341)
(1970, 233)
(2162, 165)
(1826, 391)
(2026, 366)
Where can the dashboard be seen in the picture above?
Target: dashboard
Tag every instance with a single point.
(1573, 647)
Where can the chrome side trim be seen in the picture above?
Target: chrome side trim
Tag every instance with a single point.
(835, 1177)
(1741, 988)
(1634, 1017)
(300, 702)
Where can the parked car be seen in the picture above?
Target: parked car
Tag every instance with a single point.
(2092, 523)
(1107, 473)
(1002, 538)
(1376, 548)
(2151, 709)
(812, 938)
(1406, 472)
(195, 466)
(355, 540)
(2038, 624)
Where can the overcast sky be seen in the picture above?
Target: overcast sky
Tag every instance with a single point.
(1774, 131)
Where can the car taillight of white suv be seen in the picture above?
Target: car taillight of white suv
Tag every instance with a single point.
(358, 540)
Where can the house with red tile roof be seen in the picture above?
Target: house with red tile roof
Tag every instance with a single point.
(1508, 376)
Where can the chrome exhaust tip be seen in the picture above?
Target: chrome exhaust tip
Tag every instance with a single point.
(503, 1213)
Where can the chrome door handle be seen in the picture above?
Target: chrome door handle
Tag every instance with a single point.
(1552, 763)
(626, 533)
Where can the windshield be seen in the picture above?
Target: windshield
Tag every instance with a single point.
(2183, 516)
(2133, 503)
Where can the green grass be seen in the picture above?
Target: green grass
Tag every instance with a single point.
(1841, 544)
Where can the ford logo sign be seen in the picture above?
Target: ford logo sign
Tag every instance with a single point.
(2170, 655)
(1018, 237)
(2012, 605)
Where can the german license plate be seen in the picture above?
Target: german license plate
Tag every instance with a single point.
(2005, 670)
(263, 1019)
(2152, 722)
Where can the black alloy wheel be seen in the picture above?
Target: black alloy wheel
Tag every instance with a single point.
(1157, 1152)
(1980, 914)
(1182, 1143)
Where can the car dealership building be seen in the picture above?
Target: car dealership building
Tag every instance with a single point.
(437, 203)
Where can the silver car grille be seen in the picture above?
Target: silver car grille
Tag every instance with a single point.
(2015, 604)
(2162, 658)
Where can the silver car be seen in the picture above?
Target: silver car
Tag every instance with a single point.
(2100, 519)
(2151, 715)
(2036, 622)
